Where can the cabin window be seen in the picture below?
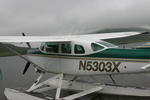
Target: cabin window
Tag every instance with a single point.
(66, 48)
(79, 49)
(50, 47)
(96, 47)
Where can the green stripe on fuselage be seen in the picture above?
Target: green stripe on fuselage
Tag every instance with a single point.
(115, 54)
(123, 53)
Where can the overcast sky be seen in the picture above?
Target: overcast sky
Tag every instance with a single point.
(42, 17)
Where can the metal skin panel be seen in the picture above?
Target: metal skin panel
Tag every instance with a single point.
(79, 66)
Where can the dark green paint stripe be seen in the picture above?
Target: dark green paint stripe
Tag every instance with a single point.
(115, 54)
(91, 58)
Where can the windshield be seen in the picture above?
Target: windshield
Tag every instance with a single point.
(96, 47)
(107, 44)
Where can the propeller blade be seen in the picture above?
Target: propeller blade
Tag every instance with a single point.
(23, 34)
(28, 44)
(26, 68)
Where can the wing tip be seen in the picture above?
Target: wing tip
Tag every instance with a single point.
(145, 32)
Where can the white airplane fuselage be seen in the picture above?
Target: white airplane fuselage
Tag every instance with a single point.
(106, 60)
(81, 66)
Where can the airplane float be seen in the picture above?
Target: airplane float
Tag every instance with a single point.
(78, 56)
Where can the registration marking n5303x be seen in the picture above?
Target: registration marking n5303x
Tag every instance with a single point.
(101, 66)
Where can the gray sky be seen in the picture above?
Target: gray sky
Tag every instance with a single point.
(42, 17)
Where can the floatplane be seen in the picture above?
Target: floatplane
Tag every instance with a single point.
(78, 56)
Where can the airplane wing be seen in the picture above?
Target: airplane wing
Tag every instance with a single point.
(67, 38)
(142, 37)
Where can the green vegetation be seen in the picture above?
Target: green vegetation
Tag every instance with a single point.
(5, 52)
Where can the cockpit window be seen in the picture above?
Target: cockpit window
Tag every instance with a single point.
(66, 48)
(78, 49)
(96, 47)
(107, 44)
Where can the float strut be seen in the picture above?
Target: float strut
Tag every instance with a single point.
(36, 82)
(58, 91)
(114, 82)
